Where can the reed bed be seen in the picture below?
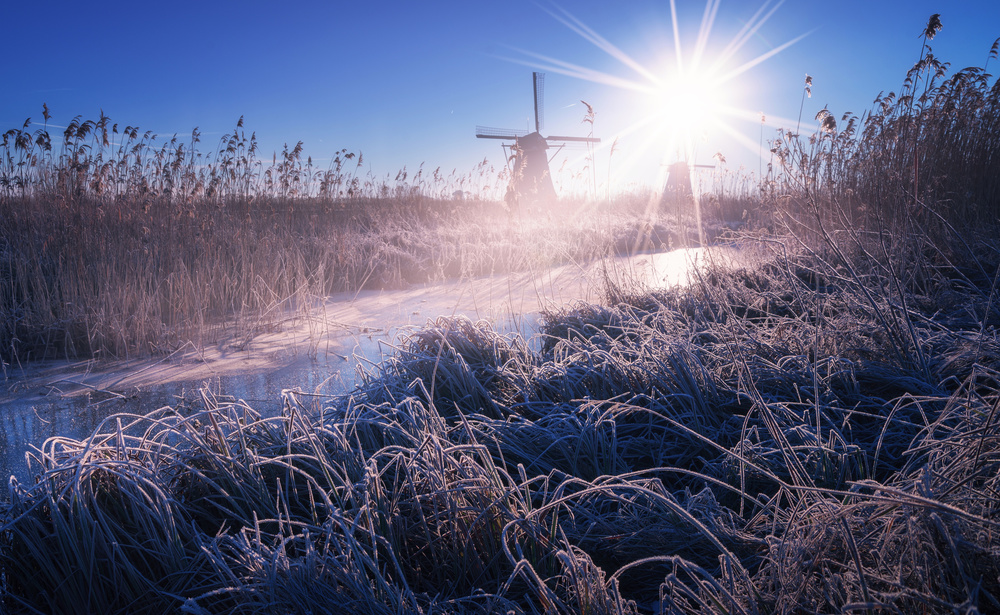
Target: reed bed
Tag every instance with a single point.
(925, 156)
(113, 245)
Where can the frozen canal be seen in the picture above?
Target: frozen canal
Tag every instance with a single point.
(322, 352)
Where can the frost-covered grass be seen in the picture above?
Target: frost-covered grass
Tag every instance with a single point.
(763, 441)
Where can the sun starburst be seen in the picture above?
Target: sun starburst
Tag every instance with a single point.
(684, 100)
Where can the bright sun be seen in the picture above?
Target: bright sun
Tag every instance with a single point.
(679, 104)
(686, 104)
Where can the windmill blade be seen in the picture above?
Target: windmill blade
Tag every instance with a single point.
(485, 132)
(538, 85)
(579, 139)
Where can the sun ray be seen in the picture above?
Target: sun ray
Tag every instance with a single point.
(752, 116)
(601, 43)
(750, 28)
(575, 70)
(764, 56)
(705, 31)
(677, 34)
(740, 137)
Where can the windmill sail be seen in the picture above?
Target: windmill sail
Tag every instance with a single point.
(538, 85)
(485, 132)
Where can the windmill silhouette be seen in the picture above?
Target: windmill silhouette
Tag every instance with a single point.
(530, 176)
(679, 196)
(677, 189)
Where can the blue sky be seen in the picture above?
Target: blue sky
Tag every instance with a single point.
(407, 83)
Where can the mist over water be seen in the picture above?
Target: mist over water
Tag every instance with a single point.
(59, 400)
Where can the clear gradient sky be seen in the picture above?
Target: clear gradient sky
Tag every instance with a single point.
(407, 82)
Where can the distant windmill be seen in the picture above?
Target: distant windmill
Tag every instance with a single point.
(677, 192)
(530, 176)
(678, 186)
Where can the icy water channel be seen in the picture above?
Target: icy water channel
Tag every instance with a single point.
(322, 353)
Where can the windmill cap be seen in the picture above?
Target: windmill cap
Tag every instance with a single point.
(532, 141)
